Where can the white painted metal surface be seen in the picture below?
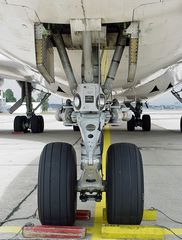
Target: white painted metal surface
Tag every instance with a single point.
(160, 36)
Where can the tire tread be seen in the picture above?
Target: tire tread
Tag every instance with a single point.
(124, 195)
(56, 184)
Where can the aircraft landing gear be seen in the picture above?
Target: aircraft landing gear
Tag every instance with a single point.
(90, 110)
(23, 124)
(31, 121)
(136, 120)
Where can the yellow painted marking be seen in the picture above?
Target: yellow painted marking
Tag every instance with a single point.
(10, 229)
(177, 231)
(132, 232)
(98, 217)
(136, 232)
(148, 215)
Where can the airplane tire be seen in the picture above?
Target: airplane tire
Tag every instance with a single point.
(37, 124)
(76, 128)
(146, 122)
(41, 123)
(19, 124)
(181, 124)
(125, 184)
(131, 124)
(57, 180)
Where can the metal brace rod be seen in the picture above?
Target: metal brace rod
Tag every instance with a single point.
(177, 95)
(20, 101)
(28, 97)
(46, 96)
(120, 45)
(65, 61)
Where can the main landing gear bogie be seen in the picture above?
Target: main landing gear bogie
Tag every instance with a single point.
(137, 119)
(145, 123)
(90, 110)
(57, 184)
(34, 123)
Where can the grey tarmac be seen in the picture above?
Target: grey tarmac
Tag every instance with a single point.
(162, 158)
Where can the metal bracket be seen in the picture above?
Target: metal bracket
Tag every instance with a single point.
(90, 180)
(44, 53)
(90, 126)
(133, 32)
(94, 26)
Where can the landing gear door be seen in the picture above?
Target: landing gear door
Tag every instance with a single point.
(44, 53)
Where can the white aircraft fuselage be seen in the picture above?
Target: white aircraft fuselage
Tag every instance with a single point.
(160, 44)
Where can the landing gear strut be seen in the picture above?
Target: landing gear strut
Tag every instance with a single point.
(90, 110)
(31, 121)
(136, 120)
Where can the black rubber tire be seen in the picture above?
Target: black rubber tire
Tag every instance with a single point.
(34, 124)
(125, 184)
(37, 124)
(146, 122)
(57, 179)
(181, 124)
(20, 124)
(41, 123)
(76, 128)
(131, 124)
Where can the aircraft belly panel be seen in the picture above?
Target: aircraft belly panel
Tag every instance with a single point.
(62, 11)
(160, 37)
(17, 33)
(159, 44)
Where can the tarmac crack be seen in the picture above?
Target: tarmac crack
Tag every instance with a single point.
(15, 209)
